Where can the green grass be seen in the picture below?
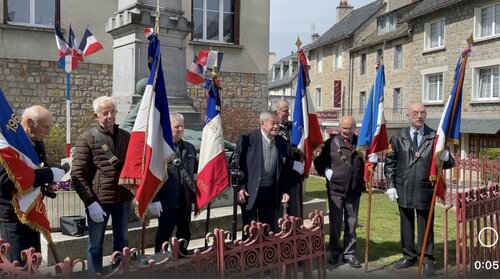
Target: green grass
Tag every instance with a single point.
(384, 246)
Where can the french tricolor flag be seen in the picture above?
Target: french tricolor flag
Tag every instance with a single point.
(19, 159)
(373, 133)
(213, 176)
(306, 132)
(89, 44)
(65, 52)
(448, 131)
(151, 142)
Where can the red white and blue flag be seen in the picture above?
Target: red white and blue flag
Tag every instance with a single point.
(89, 44)
(73, 45)
(213, 176)
(203, 64)
(19, 159)
(65, 56)
(306, 133)
(151, 143)
(195, 72)
(449, 126)
(372, 136)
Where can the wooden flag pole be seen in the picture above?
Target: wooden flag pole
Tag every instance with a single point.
(430, 221)
(367, 241)
(53, 250)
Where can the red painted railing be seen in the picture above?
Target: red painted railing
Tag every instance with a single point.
(263, 254)
(474, 193)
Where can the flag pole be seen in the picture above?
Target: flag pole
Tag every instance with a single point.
(368, 219)
(440, 168)
(143, 219)
(68, 116)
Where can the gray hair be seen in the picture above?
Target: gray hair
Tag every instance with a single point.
(265, 115)
(35, 112)
(176, 116)
(96, 104)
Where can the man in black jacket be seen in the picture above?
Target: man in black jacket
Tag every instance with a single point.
(407, 169)
(266, 162)
(343, 168)
(172, 204)
(37, 122)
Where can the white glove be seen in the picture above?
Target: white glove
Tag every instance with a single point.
(373, 158)
(155, 208)
(328, 174)
(392, 193)
(299, 167)
(445, 155)
(57, 174)
(96, 213)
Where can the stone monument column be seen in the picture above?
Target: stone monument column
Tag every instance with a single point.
(130, 50)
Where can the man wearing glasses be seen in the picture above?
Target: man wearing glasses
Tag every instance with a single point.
(343, 168)
(407, 168)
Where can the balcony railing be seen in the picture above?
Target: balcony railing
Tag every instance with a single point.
(392, 115)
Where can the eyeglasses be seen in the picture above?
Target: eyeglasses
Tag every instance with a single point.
(416, 113)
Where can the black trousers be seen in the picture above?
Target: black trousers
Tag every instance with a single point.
(263, 210)
(20, 237)
(343, 210)
(407, 217)
(169, 219)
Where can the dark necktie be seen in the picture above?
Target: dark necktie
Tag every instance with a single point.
(415, 138)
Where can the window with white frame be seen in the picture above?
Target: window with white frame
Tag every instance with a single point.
(319, 62)
(434, 34)
(214, 20)
(317, 97)
(362, 101)
(386, 24)
(487, 21)
(362, 66)
(433, 87)
(487, 85)
(338, 57)
(398, 56)
(40, 13)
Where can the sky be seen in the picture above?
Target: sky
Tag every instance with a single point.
(292, 18)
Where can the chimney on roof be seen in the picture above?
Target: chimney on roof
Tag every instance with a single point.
(314, 37)
(343, 9)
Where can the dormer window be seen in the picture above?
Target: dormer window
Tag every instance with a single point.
(386, 23)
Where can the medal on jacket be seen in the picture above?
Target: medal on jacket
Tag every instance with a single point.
(417, 154)
(105, 147)
(342, 158)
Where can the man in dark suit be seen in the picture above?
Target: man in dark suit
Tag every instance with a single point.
(266, 162)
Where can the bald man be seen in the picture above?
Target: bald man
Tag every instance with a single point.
(343, 169)
(37, 122)
(407, 168)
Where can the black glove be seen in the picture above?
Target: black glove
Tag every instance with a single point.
(48, 191)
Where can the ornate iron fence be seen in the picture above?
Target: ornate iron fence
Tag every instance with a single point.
(263, 254)
(474, 193)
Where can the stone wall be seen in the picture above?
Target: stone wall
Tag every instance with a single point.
(31, 82)
(243, 95)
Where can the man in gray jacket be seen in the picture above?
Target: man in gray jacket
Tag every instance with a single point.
(407, 169)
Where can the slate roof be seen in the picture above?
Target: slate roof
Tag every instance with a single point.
(348, 24)
(287, 79)
(429, 6)
(374, 38)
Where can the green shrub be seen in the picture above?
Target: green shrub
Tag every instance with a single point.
(55, 145)
(491, 153)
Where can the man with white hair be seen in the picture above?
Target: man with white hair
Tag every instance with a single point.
(37, 121)
(97, 164)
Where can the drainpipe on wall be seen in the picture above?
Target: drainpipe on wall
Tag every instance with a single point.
(351, 82)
